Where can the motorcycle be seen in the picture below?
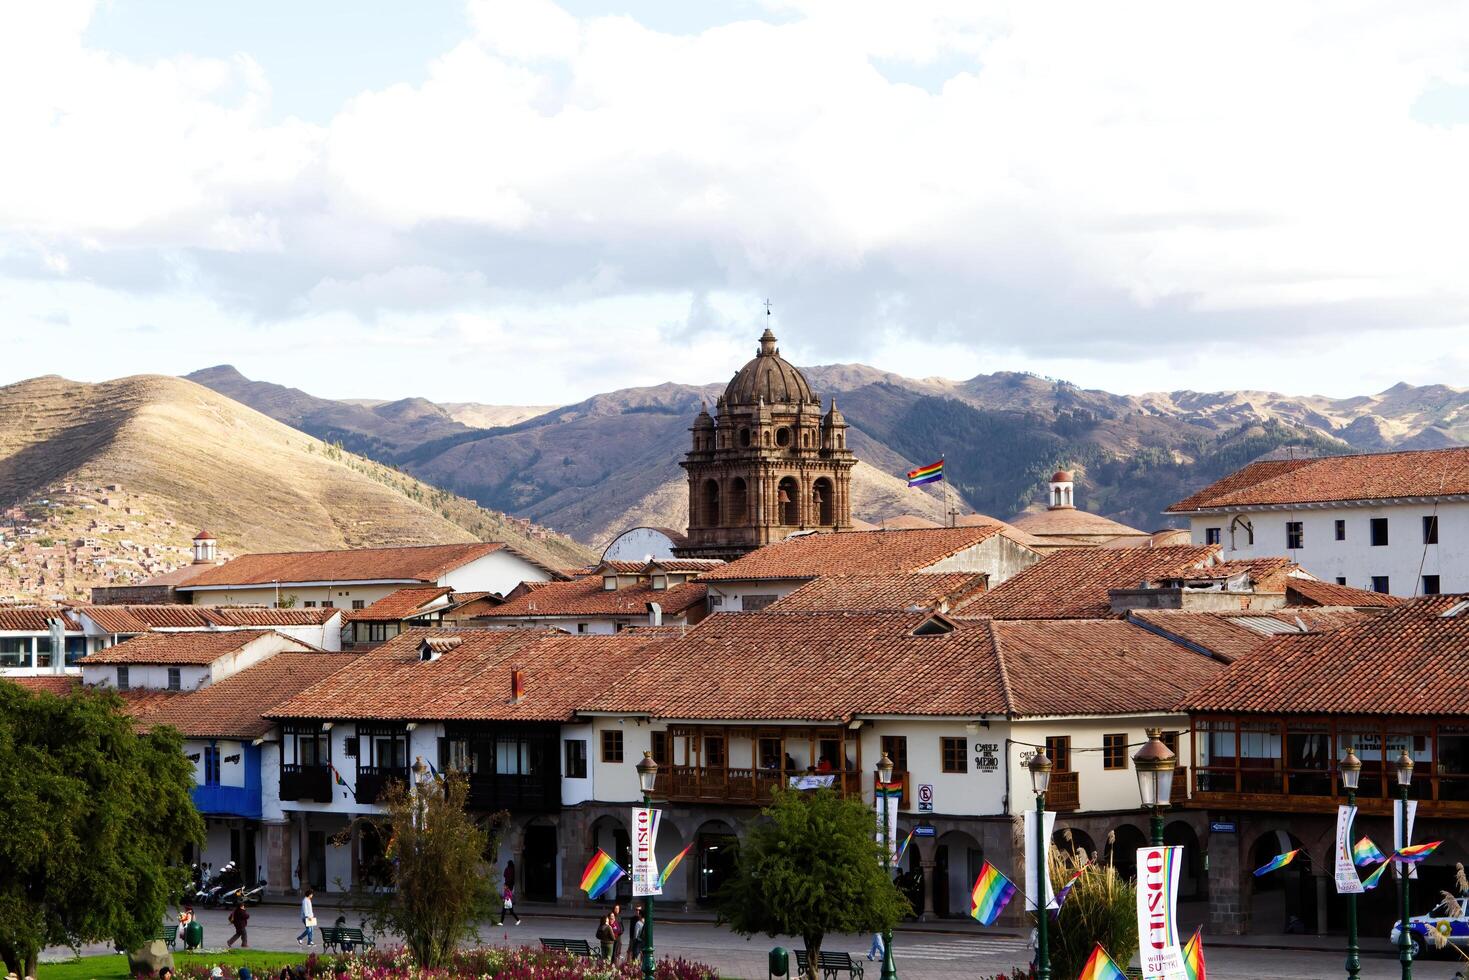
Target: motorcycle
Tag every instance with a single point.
(212, 892)
(244, 896)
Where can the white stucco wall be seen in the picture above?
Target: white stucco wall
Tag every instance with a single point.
(230, 773)
(499, 571)
(735, 591)
(1099, 789)
(978, 791)
(998, 557)
(1356, 559)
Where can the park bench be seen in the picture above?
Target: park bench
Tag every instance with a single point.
(576, 947)
(831, 964)
(168, 933)
(344, 937)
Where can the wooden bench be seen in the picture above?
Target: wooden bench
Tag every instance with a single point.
(576, 947)
(344, 938)
(830, 964)
(168, 933)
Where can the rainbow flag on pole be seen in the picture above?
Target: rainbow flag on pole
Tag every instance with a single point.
(1414, 853)
(902, 849)
(1370, 882)
(668, 868)
(1193, 956)
(1364, 852)
(601, 874)
(1100, 966)
(932, 473)
(1277, 862)
(992, 892)
(891, 791)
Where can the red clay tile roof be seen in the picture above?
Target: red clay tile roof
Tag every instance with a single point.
(141, 703)
(1310, 592)
(1267, 574)
(1231, 635)
(1410, 660)
(141, 619)
(472, 681)
(399, 604)
(232, 708)
(185, 649)
(424, 563)
(180, 575)
(1072, 583)
(1370, 476)
(48, 683)
(877, 592)
(587, 597)
(853, 553)
(34, 619)
(1069, 521)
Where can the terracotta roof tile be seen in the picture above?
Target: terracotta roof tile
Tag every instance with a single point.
(232, 708)
(587, 597)
(878, 592)
(1370, 476)
(48, 683)
(1069, 521)
(185, 649)
(141, 619)
(400, 604)
(1073, 583)
(34, 619)
(1311, 592)
(424, 563)
(1410, 660)
(853, 553)
(1231, 635)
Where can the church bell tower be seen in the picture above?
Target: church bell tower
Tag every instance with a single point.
(767, 463)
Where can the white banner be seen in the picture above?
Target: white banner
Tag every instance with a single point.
(1157, 913)
(812, 782)
(644, 848)
(887, 831)
(1400, 839)
(1031, 864)
(1348, 882)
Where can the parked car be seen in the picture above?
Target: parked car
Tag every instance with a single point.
(1452, 928)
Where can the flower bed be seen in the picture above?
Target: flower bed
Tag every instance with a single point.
(498, 962)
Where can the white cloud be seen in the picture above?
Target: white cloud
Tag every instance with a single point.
(1092, 185)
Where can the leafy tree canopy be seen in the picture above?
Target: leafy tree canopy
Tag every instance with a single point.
(94, 818)
(811, 867)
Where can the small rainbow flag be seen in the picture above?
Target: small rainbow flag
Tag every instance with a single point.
(1277, 862)
(1193, 956)
(992, 892)
(1099, 966)
(668, 868)
(1414, 853)
(902, 849)
(891, 791)
(600, 874)
(932, 473)
(1364, 852)
(1370, 882)
(346, 793)
(1066, 889)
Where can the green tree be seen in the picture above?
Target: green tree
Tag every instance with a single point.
(93, 822)
(812, 866)
(1100, 908)
(443, 867)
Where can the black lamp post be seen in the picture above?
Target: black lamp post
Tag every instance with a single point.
(1155, 765)
(1040, 780)
(647, 776)
(1351, 775)
(885, 779)
(1404, 768)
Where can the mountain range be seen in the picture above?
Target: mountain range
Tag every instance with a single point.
(609, 462)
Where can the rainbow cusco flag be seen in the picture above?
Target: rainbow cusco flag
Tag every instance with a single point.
(600, 874)
(1364, 852)
(1414, 853)
(992, 892)
(1193, 956)
(932, 473)
(1277, 862)
(1099, 966)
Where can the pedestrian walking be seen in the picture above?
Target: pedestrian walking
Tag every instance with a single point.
(635, 936)
(876, 952)
(605, 937)
(239, 918)
(507, 899)
(308, 921)
(615, 917)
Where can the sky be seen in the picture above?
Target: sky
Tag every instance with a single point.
(529, 202)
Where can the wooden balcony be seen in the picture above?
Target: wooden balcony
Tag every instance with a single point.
(1064, 795)
(312, 783)
(372, 781)
(711, 784)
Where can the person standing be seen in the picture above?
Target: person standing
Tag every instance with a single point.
(635, 935)
(308, 921)
(615, 918)
(510, 873)
(239, 918)
(605, 937)
(186, 916)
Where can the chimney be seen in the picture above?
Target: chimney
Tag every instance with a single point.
(517, 685)
(655, 614)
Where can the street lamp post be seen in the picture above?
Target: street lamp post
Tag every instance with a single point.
(1405, 939)
(1351, 774)
(1040, 780)
(885, 778)
(647, 776)
(1155, 765)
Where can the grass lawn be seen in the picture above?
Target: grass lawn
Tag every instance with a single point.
(115, 967)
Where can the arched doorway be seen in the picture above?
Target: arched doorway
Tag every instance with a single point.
(536, 875)
(822, 503)
(716, 847)
(1191, 879)
(1283, 900)
(956, 863)
(1122, 849)
(610, 834)
(671, 840)
(739, 501)
(787, 497)
(711, 503)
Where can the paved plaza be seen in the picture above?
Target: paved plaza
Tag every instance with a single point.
(946, 953)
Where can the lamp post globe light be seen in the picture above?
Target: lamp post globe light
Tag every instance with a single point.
(647, 777)
(1040, 781)
(1351, 775)
(885, 778)
(1155, 765)
(1404, 767)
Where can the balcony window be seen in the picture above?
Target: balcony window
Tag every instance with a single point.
(1058, 747)
(1309, 761)
(660, 748)
(1453, 762)
(896, 747)
(1366, 741)
(43, 651)
(1215, 756)
(15, 651)
(1259, 757)
(211, 765)
(769, 752)
(714, 751)
(829, 754)
(576, 758)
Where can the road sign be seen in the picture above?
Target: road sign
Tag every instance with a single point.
(923, 830)
(925, 797)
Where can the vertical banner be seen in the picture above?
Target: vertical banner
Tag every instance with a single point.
(644, 846)
(887, 815)
(1032, 887)
(1157, 913)
(1348, 882)
(1402, 839)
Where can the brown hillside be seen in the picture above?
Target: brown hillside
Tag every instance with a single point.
(200, 459)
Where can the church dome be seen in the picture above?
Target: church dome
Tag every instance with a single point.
(769, 377)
